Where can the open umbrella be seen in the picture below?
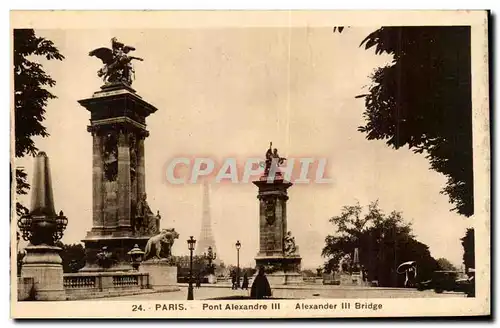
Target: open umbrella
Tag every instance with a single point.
(405, 266)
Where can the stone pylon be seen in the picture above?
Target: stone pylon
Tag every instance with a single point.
(42, 261)
(280, 261)
(118, 128)
(206, 235)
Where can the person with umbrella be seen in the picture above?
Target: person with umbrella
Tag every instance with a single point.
(410, 269)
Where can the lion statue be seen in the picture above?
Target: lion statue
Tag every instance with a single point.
(162, 241)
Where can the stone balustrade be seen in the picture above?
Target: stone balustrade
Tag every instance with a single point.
(125, 281)
(71, 282)
(77, 283)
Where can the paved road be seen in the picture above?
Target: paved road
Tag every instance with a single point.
(332, 292)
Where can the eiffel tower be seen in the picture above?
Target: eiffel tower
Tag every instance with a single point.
(206, 236)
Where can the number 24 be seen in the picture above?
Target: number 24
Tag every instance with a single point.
(137, 308)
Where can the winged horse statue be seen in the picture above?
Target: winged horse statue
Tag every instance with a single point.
(117, 63)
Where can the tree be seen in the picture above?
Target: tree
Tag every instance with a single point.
(20, 257)
(30, 98)
(384, 242)
(468, 246)
(183, 262)
(73, 257)
(423, 100)
(445, 265)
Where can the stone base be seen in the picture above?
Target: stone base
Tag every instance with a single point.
(44, 265)
(161, 273)
(278, 263)
(118, 246)
(280, 269)
(353, 279)
(283, 278)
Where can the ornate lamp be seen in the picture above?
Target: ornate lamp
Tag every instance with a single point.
(136, 255)
(238, 246)
(61, 223)
(105, 258)
(191, 243)
(210, 256)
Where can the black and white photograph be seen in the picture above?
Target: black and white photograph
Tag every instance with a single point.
(250, 164)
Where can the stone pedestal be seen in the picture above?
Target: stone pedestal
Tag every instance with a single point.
(118, 127)
(351, 279)
(119, 246)
(161, 273)
(280, 269)
(44, 265)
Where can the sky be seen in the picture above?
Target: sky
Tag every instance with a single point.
(227, 93)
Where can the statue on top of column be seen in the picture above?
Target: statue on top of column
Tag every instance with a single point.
(117, 63)
(272, 154)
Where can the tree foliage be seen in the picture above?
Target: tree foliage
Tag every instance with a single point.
(384, 242)
(30, 97)
(445, 265)
(468, 246)
(423, 100)
(73, 257)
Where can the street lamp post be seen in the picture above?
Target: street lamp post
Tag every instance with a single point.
(191, 242)
(210, 256)
(238, 246)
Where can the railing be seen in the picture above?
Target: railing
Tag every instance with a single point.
(125, 281)
(86, 282)
(104, 281)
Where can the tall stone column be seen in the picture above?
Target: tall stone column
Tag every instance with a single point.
(123, 180)
(121, 113)
(278, 254)
(97, 177)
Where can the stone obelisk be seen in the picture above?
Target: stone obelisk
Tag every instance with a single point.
(42, 227)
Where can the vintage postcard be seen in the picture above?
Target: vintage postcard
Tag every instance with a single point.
(250, 164)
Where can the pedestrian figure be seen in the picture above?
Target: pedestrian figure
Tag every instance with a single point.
(198, 281)
(245, 282)
(411, 274)
(260, 287)
(365, 274)
(237, 282)
(233, 280)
